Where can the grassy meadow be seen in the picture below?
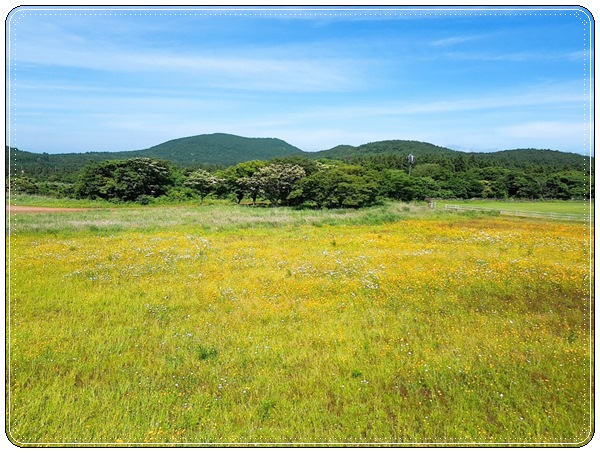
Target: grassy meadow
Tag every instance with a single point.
(232, 325)
(558, 207)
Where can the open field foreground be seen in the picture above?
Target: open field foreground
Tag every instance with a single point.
(248, 326)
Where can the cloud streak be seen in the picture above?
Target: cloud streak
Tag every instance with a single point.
(451, 41)
(263, 68)
(524, 56)
(225, 71)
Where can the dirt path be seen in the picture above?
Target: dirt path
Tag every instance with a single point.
(34, 209)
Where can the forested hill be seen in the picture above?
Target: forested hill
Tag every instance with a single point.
(403, 147)
(44, 164)
(219, 149)
(223, 150)
(520, 158)
(390, 151)
(209, 150)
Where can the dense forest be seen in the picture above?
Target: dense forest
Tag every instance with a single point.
(270, 170)
(210, 151)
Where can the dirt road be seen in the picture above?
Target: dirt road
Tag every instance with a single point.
(34, 209)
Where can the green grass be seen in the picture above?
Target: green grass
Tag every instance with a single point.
(560, 207)
(239, 325)
(206, 218)
(51, 202)
(42, 201)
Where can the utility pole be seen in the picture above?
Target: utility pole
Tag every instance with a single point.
(411, 161)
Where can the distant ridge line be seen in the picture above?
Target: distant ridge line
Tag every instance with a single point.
(219, 150)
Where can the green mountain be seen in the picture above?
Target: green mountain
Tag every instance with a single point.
(403, 147)
(200, 150)
(219, 149)
(536, 157)
(45, 165)
(222, 150)
(392, 151)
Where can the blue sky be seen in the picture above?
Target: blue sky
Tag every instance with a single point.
(469, 79)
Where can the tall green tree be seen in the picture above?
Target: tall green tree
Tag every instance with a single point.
(568, 184)
(340, 186)
(124, 180)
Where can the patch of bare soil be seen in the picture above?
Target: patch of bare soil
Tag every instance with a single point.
(34, 209)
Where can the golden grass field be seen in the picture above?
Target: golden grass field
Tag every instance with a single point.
(198, 328)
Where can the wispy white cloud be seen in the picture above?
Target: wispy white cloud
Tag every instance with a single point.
(451, 41)
(560, 131)
(524, 56)
(260, 73)
(561, 95)
(293, 75)
(543, 95)
(270, 68)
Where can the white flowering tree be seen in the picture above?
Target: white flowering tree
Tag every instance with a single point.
(249, 185)
(276, 181)
(202, 182)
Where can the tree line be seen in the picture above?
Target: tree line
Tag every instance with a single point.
(302, 182)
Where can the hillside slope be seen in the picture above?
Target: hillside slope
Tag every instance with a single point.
(219, 149)
(223, 150)
(404, 147)
(426, 152)
(201, 150)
